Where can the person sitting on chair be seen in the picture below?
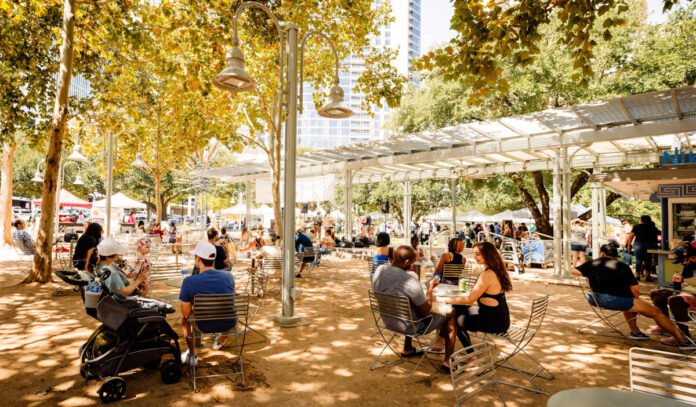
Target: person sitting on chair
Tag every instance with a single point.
(267, 251)
(491, 314)
(208, 281)
(301, 242)
(221, 260)
(256, 243)
(679, 302)
(109, 251)
(453, 256)
(392, 279)
(22, 240)
(614, 287)
(383, 253)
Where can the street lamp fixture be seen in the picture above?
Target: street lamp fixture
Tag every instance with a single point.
(77, 154)
(37, 175)
(78, 180)
(139, 162)
(234, 78)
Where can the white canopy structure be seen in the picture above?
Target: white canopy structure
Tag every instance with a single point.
(628, 130)
(120, 201)
(239, 209)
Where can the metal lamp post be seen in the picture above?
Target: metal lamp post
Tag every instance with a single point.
(234, 78)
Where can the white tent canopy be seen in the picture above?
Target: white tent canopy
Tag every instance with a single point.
(263, 210)
(119, 201)
(239, 209)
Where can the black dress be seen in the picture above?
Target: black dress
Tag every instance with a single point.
(84, 243)
(456, 259)
(482, 318)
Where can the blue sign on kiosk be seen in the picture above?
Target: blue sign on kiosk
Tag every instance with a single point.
(679, 157)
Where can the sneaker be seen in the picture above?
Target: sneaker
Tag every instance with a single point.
(639, 336)
(687, 345)
(189, 359)
(656, 330)
(670, 341)
(217, 345)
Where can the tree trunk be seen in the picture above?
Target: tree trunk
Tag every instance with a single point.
(6, 191)
(158, 196)
(41, 271)
(543, 193)
(579, 182)
(541, 218)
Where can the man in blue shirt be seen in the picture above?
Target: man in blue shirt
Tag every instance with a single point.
(208, 281)
(302, 241)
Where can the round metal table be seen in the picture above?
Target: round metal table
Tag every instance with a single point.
(598, 397)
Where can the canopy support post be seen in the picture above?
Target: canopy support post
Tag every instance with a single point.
(407, 212)
(566, 214)
(557, 224)
(348, 233)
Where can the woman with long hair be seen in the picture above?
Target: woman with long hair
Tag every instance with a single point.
(491, 314)
(88, 240)
(643, 237)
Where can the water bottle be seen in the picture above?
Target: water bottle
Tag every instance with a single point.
(677, 281)
(92, 294)
(462, 284)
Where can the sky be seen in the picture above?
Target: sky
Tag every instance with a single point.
(436, 14)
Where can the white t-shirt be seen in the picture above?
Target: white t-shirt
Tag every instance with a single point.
(271, 251)
(425, 228)
(578, 235)
(328, 221)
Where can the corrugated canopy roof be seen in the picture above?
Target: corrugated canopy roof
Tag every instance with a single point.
(632, 129)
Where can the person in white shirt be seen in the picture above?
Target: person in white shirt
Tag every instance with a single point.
(327, 222)
(267, 251)
(424, 231)
(626, 229)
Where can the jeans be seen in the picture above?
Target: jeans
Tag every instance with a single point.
(640, 249)
(610, 302)
(626, 257)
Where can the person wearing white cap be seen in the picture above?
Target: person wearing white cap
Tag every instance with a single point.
(208, 281)
(109, 251)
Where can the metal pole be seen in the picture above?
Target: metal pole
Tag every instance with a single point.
(287, 317)
(247, 215)
(407, 212)
(566, 214)
(205, 211)
(349, 206)
(595, 219)
(454, 208)
(603, 211)
(557, 247)
(109, 180)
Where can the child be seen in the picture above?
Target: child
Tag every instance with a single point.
(141, 265)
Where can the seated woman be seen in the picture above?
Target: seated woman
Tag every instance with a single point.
(21, 238)
(453, 256)
(420, 255)
(328, 242)
(142, 265)
(491, 315)
(383, 253)
(256, 243)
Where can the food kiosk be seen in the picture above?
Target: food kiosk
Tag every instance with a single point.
(673, 185)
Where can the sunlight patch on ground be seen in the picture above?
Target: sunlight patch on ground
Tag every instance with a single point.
(343, 372)
(304, 387)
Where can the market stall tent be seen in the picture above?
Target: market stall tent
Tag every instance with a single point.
(68, 200)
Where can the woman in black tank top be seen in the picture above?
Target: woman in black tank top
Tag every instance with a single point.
(453, 256)
(491, 313)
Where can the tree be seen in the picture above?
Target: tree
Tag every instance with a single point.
(547, 82)
(494, 34)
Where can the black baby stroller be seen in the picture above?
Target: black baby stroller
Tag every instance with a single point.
(134, 333)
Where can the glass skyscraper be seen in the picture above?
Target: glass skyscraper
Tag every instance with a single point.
(402, 34)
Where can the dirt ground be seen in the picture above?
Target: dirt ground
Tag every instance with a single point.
(326, 363)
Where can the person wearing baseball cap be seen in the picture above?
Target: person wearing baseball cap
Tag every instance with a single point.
(207, 281)
(679, 302)
(109, 251)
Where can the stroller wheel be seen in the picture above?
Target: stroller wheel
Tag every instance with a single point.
(113, 389)
(170, 372)
(153, 364)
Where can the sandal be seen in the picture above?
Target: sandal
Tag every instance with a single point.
(445, 369)
(416, 352)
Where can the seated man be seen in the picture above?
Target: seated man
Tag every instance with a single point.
(393, 279)
(302, 241)
(221, 260)
(21, 238)
(615, 288)
(208, 281)
(679, 302)
(109, 251)
(256, 243)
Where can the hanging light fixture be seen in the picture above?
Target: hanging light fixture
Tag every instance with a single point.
(336, 108)
(78, 180)
(37, 177)
(139, 162)
(234, 77)
(77, 154)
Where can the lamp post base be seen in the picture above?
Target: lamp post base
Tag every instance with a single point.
(290, 322)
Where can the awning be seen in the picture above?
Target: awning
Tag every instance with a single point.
(68, 200)
(120, 201)
(644, 184)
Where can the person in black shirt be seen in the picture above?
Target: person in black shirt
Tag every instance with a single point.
(645, 234)
(221, 260)
(88, 240)
(616, 289)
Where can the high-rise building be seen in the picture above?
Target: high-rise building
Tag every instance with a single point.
(402, 34)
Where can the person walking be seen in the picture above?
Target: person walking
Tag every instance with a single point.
(643, 237)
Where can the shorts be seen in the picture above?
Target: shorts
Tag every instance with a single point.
(578, 247)
(430, 324)
(610, 302)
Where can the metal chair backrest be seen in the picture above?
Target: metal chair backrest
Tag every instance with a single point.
(271, 265)
(536, 317)
(372, 265)
(391, 306)
(663, 374)
(19, 246)
(217, 307)
(451, 273)
(306, 253)
(469, 382)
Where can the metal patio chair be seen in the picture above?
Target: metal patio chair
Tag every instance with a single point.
(217, 307)
(17, 244)
(471, 377)
(519, 337)
(398, 308)
(451, 273)
(605, 317)
(665, 374)
(372, 265)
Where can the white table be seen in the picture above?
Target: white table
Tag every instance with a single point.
(598, 397)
